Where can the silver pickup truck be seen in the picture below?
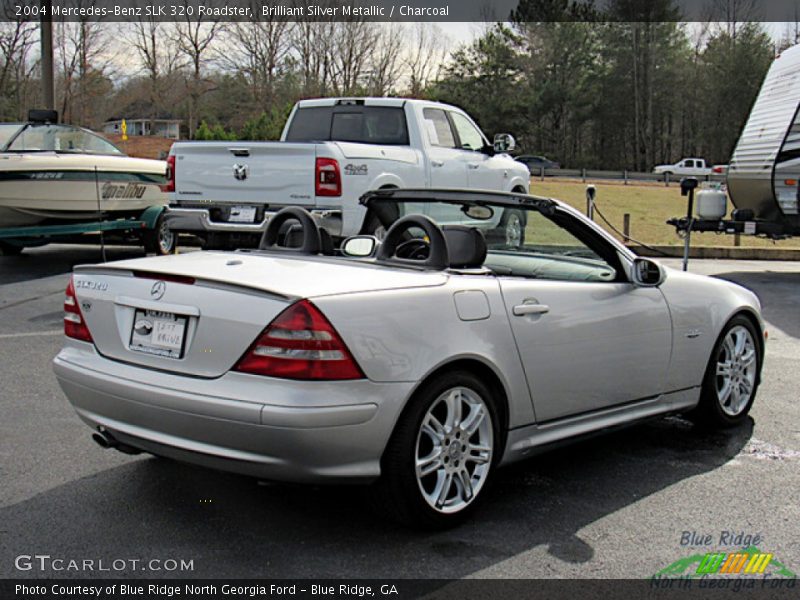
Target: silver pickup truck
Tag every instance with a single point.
(331, 152)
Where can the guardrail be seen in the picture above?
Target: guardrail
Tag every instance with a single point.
(625, 176)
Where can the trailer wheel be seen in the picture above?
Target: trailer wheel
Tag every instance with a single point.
(160, 240)
(10, 249)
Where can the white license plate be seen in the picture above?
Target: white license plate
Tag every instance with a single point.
(159, 333)
(242, 214)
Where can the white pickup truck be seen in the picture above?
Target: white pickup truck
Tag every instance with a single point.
(687, 167)
(331, 152)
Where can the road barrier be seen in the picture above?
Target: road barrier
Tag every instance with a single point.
(624, 176)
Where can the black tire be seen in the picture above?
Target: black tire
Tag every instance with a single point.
(10, 249)
(710, 411)
(398, 494)
(160, 240)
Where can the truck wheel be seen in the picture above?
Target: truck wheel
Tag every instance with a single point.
(441, 453)
(513, 226)
(160, 240)
(10, 249)
(510, 232)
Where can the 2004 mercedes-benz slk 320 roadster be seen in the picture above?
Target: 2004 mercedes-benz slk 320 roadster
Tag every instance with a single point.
(420, 362)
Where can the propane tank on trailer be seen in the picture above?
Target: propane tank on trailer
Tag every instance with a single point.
(711, 203)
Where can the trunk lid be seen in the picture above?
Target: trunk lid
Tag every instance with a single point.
(198, 313)
(245, 172)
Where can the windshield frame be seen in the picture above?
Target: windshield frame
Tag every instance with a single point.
(549, 207)
(26, 126)
(17, 127)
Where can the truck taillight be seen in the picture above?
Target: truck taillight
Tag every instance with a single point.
(328, 179)
(74, 324)
(170, 185)
(300, 343)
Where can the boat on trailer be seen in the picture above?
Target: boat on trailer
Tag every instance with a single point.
(52, 174)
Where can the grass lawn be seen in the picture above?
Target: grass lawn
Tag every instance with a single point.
(649, 204)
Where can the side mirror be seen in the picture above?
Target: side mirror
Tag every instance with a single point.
(647, 273)
(359, 245)
(504, 142)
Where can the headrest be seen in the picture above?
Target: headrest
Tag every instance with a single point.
(291, 236)
(466, 246)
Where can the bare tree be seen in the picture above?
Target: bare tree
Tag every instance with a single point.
(194, 37)
(425, 57)
(355, 41)
(159, 58)
(730, 14)
(16, 39)
(258, 49)
(386, 64)
(84, 55)
(312, 45)
(791, 33)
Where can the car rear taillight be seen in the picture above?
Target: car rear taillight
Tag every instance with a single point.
(170, 185)
(328, 179)
(74, 325)
(300, 343)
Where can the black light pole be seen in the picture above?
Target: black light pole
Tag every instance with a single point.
(46, 35)
(688, 185)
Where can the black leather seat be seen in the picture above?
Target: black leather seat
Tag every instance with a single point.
(466, 246)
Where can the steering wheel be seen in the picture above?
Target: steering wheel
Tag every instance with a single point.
(414, 249)
(312, 239)
(437, 256)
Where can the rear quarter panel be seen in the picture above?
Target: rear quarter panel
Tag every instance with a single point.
(405, 335)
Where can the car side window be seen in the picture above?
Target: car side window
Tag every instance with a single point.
(553, 249)
(688, 163)
(469, 135)
(438, 128)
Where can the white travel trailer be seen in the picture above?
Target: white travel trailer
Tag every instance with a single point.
(765, 167)
(764, 174)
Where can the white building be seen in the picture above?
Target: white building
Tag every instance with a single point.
(168, 128)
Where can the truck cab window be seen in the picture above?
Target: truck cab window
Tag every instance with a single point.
(438, 128)
(469, 135)
(383, 125)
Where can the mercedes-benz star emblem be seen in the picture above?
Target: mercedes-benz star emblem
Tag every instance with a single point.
(158, 289)
(240, 172)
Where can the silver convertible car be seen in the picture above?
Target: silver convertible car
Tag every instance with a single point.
(419, 362)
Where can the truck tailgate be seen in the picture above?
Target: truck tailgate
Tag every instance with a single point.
(245, 173)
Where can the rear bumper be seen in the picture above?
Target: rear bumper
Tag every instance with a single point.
(198, 220)
(295, 431)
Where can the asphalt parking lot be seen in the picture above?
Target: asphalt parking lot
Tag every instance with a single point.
(614, 506)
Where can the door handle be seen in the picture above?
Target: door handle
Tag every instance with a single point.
(530, 308)
(473, 165)
(437, 163)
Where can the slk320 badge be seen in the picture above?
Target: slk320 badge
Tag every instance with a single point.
(100, 286)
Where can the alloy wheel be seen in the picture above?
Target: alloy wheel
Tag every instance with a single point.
(454, 450)
(166, 238)
(513, 230)
(736, 370)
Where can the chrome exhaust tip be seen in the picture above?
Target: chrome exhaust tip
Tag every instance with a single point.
(105, 440)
